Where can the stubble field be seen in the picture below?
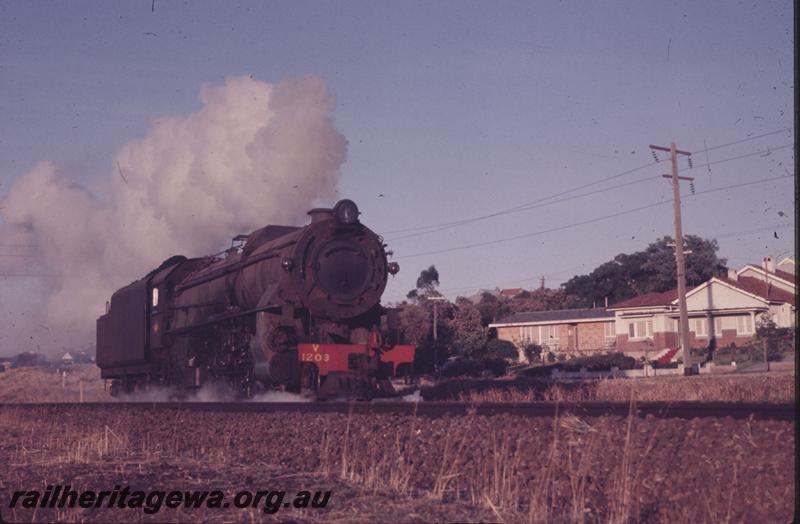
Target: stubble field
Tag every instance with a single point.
(392, 468)
(404, 468)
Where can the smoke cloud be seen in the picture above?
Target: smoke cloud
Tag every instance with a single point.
(254, 154)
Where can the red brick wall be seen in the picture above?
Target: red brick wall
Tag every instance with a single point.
(508, 333)
(729, 336)
(591, 336)
(663, 340)
(563, 337)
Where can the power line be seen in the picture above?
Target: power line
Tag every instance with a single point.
(720, 146)
(550, 275)
(753, 231)
(527, 208)
(520, 206)
(739, 157)
(433, 228)
(584, 222)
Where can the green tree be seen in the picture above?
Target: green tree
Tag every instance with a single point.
(701, 264)
(608, 281)
(492, 308)
(779, 341)
(469, 333)
(427, 282)
(651, 270)
(538, 300)
(416, 322)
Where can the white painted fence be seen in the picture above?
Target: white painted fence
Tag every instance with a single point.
(647, 371)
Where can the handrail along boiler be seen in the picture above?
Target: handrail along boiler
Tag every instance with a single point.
(296, 308)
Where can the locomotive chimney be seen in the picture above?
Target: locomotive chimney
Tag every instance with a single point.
(320, 213)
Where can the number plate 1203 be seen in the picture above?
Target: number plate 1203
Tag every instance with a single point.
(315, 357)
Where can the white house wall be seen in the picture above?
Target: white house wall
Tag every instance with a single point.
(721, 297)
(782, 315)
(621, 322)
(787, 264)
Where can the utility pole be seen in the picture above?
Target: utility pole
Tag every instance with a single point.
(679, 258)
(435, 335)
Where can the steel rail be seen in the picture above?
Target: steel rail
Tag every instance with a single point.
(670, 409)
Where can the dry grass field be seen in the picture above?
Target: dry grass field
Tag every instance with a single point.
(751, 387)
(44, 385)
(401, 468)
(37, 384)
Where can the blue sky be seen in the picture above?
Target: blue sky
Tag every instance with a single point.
(451, 109)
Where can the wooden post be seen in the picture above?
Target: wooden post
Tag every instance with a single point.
(679, 255)
(436, 335)
(63, 379)
(684, 314)
(80, 387)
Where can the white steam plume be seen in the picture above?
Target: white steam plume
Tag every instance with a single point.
(254, 154)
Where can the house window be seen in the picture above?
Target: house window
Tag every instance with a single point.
(727, 323)
(155, 297)
(608, 330)
(744, 324)
(699, 325)
(528, 334)
(548, 335)
(640, 329)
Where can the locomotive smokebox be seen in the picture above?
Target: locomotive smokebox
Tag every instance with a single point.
(342, 264)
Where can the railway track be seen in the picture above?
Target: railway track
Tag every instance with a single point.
(683, 409)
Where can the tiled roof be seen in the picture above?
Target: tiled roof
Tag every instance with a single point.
(511, 292)
(750, 285)
(758, 287)
(785, 275)
(557, 316)
(649, 299)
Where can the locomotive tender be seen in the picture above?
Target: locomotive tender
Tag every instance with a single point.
(294, 308)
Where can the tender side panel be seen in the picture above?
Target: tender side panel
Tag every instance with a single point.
(103, 339)
(122, 333)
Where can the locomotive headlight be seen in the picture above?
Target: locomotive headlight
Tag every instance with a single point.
(393, 268)
(287, 264)
(346, 212)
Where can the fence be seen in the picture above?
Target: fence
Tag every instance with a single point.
(647, 371)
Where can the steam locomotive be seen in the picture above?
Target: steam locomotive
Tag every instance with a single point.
(292, 308)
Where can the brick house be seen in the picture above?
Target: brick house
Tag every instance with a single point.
(722, 311)
(561, 331)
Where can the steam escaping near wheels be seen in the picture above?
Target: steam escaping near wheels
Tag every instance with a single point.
(208, 393)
